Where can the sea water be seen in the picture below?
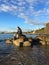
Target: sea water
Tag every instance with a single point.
(11, 55)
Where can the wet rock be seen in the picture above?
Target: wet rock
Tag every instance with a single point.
(30, 39)
(20, 63)
(18, 41)
(8, 41)
(44, 39)
(13, 58)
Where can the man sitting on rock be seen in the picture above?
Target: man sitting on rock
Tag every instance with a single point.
(19, 32)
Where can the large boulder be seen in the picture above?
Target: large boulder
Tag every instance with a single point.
(21, 41)
(18, 41)
(8, 41)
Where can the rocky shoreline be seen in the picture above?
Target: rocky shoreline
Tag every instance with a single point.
(24, 41)
(41, 39)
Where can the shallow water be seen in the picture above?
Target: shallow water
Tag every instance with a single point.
(5, 36)
(12, 55)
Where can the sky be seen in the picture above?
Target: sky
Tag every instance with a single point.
(27, 14)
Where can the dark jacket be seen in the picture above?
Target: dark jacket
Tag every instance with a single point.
(19, 31)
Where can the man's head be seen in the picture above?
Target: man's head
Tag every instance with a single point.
(18, 27)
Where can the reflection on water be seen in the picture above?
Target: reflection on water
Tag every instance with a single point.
(11, 55)
(5, 36)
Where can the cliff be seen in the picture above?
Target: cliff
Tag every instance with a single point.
(40, 31)
(47, 28)
(43, 30)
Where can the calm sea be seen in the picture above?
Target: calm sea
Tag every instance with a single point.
(6, 36)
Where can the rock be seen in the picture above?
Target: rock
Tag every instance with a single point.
(8, 41)
(30, 39)
(20, 63)
(43, 42)
(44, 39)
(13, 58)
(18, 41)
(26, 43)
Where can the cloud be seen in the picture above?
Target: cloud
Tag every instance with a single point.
(47, 11)
(31, 1)
(7, 8)
(34, 22)
(26, 9)
(47, 3)
(30, 21)
(4, 8)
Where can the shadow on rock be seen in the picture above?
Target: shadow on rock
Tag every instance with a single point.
(36, 41)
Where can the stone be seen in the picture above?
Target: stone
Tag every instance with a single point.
(26, 43)
(8, 41)
(30, 39)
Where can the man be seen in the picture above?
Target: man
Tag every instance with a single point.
(19, 32)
